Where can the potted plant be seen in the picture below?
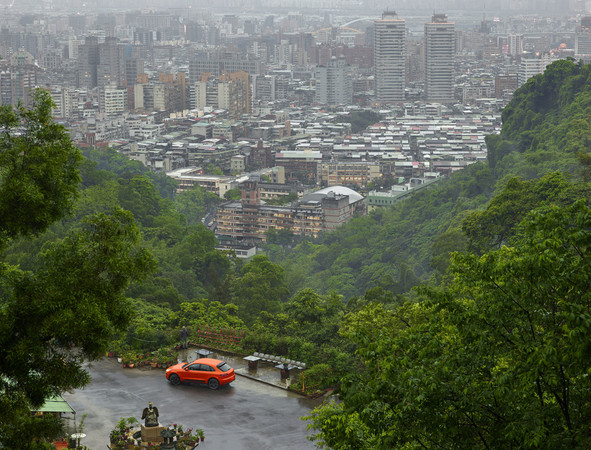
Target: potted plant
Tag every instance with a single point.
(132, 361)
(119, 430)
(121, 437)
(189, 438)
(125, 359)
(156, 359)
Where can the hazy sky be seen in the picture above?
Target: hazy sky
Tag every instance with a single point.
(497, 6)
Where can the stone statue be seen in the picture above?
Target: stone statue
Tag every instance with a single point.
(150, 414)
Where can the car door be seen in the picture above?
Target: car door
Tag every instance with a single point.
(194, 373)
(206, 373)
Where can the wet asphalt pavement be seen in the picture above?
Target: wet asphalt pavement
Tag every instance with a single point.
(247, 414)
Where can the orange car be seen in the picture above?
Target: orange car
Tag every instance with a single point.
(212, 372)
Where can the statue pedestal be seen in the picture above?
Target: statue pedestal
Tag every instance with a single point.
(152, 434)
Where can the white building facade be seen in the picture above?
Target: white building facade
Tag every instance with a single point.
(439, 59)
(390, 58)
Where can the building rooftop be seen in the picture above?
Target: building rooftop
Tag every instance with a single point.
(317, 196)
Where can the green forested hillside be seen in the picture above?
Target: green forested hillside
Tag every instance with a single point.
(546, 124)
(391, 247)
(546, 127)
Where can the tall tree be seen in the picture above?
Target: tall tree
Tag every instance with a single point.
(64, 312)
(38, 169)
(260, 287)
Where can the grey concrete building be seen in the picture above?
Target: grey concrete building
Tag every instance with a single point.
(334, 83)
(439, 59)
(390, 57)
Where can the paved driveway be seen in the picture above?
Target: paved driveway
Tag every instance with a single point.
(245, 415)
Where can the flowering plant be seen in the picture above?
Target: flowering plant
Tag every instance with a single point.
(189, 437)
(122, 435)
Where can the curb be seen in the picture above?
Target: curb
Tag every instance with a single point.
(250, 377)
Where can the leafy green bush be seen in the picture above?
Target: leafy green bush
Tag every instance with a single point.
(315, 379)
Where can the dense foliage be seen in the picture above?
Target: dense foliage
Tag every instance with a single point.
(499, 359)
(360, 120)
(64, 309)
(391, 247)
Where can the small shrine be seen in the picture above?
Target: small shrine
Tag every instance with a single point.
(129, 433)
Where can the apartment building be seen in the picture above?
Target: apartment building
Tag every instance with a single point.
(359, 173)
(248, 220)
(390, 57)
(114, 100)
(334, 83)
(439, 59)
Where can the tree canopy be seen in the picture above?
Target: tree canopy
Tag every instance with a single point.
(63, 310)
(499, 359)
(38, 169)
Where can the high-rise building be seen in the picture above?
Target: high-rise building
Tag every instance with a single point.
(334, 83)
(583, 40)
(263, 87)
(515, 44)
(113, 100)
(242, 103)
(168, 92)
(111, 63)
(133, 68)
(17, 84)
(390, 57)
(529, 67)
(439, 59)
(66, 102)
(100, 64)
(216, 64)
(88, 59)
(229, 91)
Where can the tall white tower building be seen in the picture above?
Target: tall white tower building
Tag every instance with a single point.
(440, 41)
(390, 57)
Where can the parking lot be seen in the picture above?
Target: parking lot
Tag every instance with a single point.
(244, 415)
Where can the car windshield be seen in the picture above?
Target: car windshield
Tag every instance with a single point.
(224, 367)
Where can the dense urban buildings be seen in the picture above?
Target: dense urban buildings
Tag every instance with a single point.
(383, 103)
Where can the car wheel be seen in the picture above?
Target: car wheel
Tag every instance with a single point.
(213, 383)
(174, 379)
